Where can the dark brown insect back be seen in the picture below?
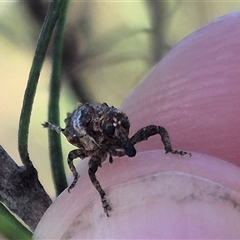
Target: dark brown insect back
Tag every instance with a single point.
(98, 131)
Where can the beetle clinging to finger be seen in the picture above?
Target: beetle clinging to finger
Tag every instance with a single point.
(100, 132)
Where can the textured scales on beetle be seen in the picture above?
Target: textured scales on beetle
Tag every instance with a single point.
(98, 131)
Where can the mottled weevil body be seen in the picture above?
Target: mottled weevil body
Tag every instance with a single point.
(98, 131)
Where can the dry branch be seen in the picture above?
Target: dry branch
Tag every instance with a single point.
(21, 191)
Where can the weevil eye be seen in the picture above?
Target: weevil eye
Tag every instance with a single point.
(125, 124)
(110, 130)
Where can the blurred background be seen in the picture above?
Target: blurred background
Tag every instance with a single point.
(109, 47)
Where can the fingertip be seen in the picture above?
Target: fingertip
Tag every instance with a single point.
(150, 195)
(194, 92)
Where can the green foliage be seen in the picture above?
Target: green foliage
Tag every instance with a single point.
(10, 227)
(55, 10)
(56, 157)
(42, 46)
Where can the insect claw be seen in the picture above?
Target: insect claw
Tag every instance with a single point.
(45, 124)
(70, 187)
(179, 152)
(106, 207)
(79, 104)
(110, 158)
(189, 154)
(106, 212)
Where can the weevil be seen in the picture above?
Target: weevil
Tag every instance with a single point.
(100, 131)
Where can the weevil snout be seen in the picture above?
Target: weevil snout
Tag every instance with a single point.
(129, 149)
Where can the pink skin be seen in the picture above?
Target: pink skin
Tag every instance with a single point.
(194, 92)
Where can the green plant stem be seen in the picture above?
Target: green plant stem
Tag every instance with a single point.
(42, 45)
(157, 13)
(56, 157)
(10, 227)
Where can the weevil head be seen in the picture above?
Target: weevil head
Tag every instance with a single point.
(115, 126)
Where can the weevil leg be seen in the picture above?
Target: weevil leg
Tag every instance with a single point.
(151, 130)
(52, 127)
(113, 152)
(94, 163)
(110, 158)
(81, 153)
